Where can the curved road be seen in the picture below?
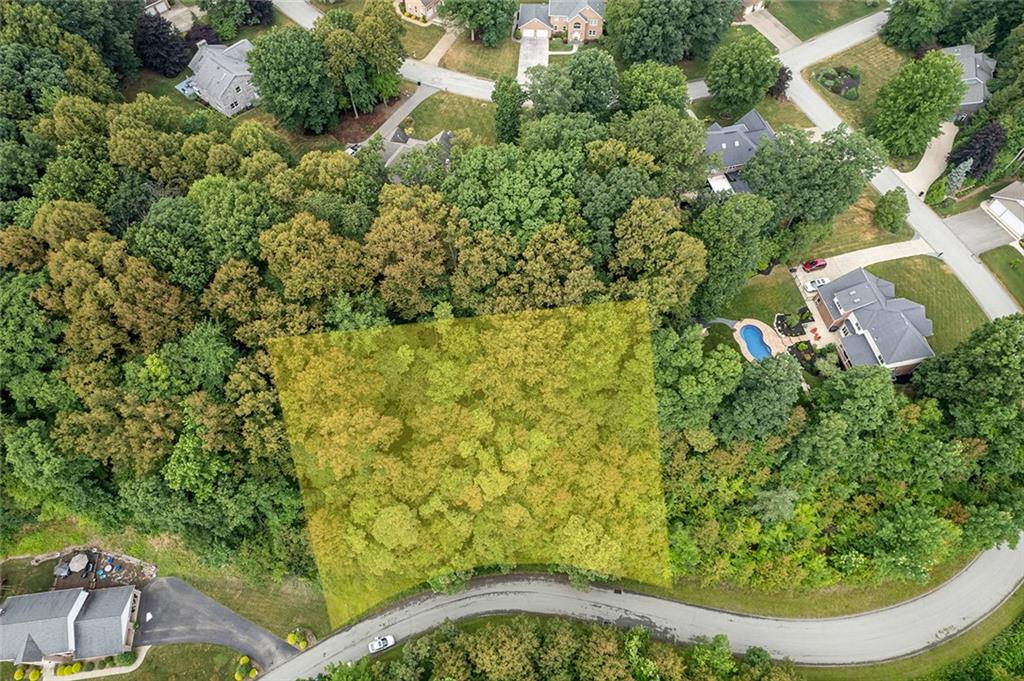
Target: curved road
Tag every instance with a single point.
(876, 636)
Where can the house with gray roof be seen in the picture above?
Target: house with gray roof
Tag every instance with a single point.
(67, 625)
(577, 20)
(978, 69)
(221, 76)
(734, 145)
(876, 328)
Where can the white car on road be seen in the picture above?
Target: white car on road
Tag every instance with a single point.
(814, 284)
(381, 643)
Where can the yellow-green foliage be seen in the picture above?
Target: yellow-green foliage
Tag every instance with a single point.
(427, 449)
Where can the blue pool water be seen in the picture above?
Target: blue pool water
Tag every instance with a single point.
(754, 340)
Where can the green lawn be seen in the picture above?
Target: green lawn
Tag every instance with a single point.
(878, 63)
(558, 45)
(21, 577)
(719, 334)
(949, 305)
(777, 113)
(697, 68)
(280, 606)
(253, 32)
(855, 229)
(763, 296)
(808, 18)
(419, 40)
(159, 86)
(447, 111)
(1007, 264)
(486, 62)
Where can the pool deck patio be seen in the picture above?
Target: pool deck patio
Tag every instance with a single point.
(772, 338)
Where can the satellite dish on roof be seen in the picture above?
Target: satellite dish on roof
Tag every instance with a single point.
(79, 562)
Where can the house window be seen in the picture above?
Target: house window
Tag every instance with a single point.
(843, 331)
(577, 25)
(592, 33)
(593, 22)
(238, 88)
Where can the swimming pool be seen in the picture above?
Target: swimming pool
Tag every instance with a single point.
(754, 340)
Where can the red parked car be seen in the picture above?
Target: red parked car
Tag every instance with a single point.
(814, 265)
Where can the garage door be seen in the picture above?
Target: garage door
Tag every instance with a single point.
(535, 33)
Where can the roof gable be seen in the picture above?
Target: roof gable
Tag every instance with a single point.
(737, 143)
(215, 67)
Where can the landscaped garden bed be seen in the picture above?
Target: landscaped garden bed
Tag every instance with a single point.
(841, 80)
(792, 324)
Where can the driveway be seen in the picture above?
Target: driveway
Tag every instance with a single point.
(171, 611)
(978, 231)
(773, 29)
(532, 52)
(299, 11)
(838, 265)
(933, 163)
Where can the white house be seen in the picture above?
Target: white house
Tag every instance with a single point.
(1007, 207)
(221, 76)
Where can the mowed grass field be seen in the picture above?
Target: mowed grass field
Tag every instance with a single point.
(1007, 264)
(763, 296)
(877, 62)
(777, 112)
(808, 18)
(447, 111)
(473, 58)
(856, 229)
(949, 305)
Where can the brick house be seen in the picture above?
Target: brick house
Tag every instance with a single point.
(578, 20)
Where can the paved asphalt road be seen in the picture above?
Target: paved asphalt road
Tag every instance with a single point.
(178, 613)
(885, 634)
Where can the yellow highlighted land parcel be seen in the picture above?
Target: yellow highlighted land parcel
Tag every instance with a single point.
(427, 449)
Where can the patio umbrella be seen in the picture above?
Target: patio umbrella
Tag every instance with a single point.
(79, 562)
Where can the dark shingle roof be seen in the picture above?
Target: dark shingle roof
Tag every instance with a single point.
(978, 69)
(34, 625)
(737, 143)
(896, 327)
(98, 631)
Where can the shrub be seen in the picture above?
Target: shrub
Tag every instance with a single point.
(292, 638)
(854, 71)
(937, 192)
(852, 94)
(238, 676)
(124, 659)
(244, 659)
(891, 210)
(89, 666)
(830, 73)
(34, 675)
(302, 645)
(19, 674)
(76, 667)
(828, 82)
(253, 673)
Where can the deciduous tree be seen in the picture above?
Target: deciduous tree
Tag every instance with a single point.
(915, 102)
(289, 70)
(648, 83)
(740, 73)
(508, 100)
(914, 22)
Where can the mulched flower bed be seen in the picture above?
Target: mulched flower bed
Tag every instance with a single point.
(843, 81)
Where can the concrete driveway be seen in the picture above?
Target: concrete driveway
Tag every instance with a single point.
(978, 231)
(171, 611)
(532, 52)
(773, 29)
(933, 163)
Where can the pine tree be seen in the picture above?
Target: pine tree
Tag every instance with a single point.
(957, 176)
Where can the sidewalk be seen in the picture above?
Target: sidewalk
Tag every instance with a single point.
(438, 51)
